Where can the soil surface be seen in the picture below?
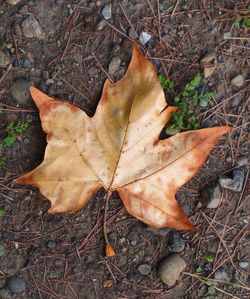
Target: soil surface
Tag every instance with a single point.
(68, 49)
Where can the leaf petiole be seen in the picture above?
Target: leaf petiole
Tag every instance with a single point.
(108, 248)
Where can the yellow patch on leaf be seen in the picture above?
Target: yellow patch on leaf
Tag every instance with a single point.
(119, 149)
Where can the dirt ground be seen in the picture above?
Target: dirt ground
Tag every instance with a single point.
(68, 53)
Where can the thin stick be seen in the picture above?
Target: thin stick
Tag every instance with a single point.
(102, 68)
(108, 248)
(6, 72)
(173, 12)
(105, 217)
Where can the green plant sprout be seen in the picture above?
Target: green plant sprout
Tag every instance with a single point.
(242, 22)
(166, 83)
(199, 270)
(2, 213)
(13, 129)
(212, 287)
(208, 257)
(192, 95)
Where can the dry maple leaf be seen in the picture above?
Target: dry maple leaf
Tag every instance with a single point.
(119, 149)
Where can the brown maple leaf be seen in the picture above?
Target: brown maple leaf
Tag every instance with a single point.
(119, 149)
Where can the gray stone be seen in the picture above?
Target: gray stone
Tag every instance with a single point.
(235, 183)
(221, 274)
(132, 33)
(170, 269)
(4, 59)
(101, 25)
(236, 101)
(226, 35)
(5, 294)
(26, 63)
(238, 81)
(209, 63)
(177, 244)
(20, 90)
(211, 196)
(107, 11)
(13, 2)
(45, 75)
(31, 28)
(144, 37)
(144, 269)
(51, 244)
(211, 122)
(59, 263)
(1, 250)
(242, 160)
(24, 9)
(17, 29)
(114, 65)
(16, 284)
(133, 242)
(243, 264)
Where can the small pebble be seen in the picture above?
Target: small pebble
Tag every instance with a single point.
(59, 263)
(144, 37)
(243, 264)
(107, 11)
(209, 63)
(16, 284)
(13, 2)
(24, 9)
(5, 294)
(132, 33)
(4, 59)
(238, 81)
(177, 244)
(32, 28)
(226, 35)
(49, 81)
(101, 25)
(211, 196)
(51, 244)
(114, 65)
(234, 183)
(221, 274)
(26, 141)
(17, 29)
(170, 269)
(107, 283)
(20, 90)
(144, 269)
(242, 160)
(45, 75)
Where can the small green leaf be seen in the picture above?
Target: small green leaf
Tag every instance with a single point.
(199, 270)
(1, 250)
(208, 257)
(2, 161)
(246, 23)
(2, 213)
(166, 83)
(237, 22)
(9, 140)
(211, 291)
